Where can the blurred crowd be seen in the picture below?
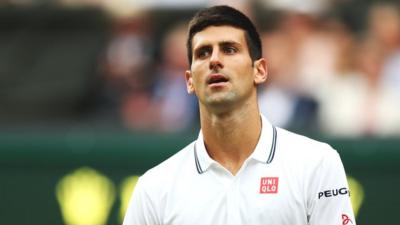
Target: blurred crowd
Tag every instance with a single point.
(329, 71)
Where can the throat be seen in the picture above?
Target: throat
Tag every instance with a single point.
(231, 138)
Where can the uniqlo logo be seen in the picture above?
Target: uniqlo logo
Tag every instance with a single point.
(269, 185)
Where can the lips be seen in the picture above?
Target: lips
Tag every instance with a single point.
(216, 78)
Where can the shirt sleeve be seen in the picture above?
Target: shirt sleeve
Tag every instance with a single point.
(329, 195)
(141, 209)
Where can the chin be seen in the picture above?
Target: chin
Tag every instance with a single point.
(221, 99)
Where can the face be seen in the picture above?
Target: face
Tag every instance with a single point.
(222, 72)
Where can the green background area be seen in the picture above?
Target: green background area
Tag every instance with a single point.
(31, 166)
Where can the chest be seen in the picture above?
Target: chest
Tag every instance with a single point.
(253, 197)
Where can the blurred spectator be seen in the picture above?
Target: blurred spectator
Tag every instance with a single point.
(174, 108)
(286, 100)
(127, 73)
(363, 101)
(357, 103)
(384, 29)
(278, 98)
(317, 54)
(384, 26)
(149, 96)
(299, 6)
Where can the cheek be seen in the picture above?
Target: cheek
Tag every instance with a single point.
(198, 74)
(196, 81)
(245, 71)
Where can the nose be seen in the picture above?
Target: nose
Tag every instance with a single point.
(215, 61)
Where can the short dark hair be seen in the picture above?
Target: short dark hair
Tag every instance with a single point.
(224, 15)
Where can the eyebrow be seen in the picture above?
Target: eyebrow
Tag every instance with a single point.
(222, 43)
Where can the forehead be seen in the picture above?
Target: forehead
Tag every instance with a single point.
(218, 34)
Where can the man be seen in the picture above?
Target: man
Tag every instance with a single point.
(241, 170)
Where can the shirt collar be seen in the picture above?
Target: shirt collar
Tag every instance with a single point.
(264, 151)
(202, 159)
(265, 148)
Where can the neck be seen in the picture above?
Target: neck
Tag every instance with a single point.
(231, 137)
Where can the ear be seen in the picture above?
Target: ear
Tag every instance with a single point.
(260, 71)
(189, 82)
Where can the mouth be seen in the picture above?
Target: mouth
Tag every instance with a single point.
(215, 79)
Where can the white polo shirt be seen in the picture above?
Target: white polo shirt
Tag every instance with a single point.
(288, 180)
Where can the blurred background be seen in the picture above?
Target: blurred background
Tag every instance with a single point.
(92, 94)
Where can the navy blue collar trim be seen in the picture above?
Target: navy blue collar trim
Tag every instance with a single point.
(273, 146)
(196, 159)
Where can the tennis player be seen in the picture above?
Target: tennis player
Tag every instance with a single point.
(241, 170)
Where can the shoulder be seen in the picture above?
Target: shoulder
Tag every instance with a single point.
(303, 149)
(167, 171)
(151, 191)
(292, 139)
(307, 160)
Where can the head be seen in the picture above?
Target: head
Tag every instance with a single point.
(173, 48)
(384, 23)
(224, 15)
(225, 56)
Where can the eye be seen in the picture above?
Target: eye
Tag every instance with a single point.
(229, 50)
(203, 53)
